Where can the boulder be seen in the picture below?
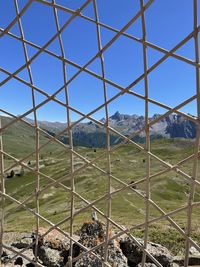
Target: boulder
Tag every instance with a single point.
(134, 253)
(88, 261)
(92, 234)
(115, 257)
(49, 257)
(50, 247)
(193, 260)
(24, 242)
(8, 255)
(194, 257)
(53, 249)
(194, 251)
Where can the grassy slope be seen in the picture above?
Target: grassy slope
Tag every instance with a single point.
(169, 191)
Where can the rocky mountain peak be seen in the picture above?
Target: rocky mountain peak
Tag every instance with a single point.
(117, 116)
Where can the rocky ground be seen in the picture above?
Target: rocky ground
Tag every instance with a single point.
(53, 250)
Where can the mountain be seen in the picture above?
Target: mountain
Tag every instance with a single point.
(90, 134)
(172, 126)
(93, 135)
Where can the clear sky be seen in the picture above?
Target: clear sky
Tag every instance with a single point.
(167, 23)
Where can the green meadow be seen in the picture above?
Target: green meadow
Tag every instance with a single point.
(169, 190)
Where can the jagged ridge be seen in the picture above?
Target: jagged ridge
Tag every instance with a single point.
(93, 135)
(90, 134)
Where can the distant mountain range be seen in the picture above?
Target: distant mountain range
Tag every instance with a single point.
(90, 134)
(93, 135)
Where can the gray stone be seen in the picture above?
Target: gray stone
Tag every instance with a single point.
(50, 247)
(88, 261)
(91, 235)
(53, 249)
(24, 242)
(49, 257)
(134, 253)
(6, 259)
(193, 260)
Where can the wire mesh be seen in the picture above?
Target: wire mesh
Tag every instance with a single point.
(107, 172)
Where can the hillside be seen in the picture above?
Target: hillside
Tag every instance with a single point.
(169, 190)
(19, 139)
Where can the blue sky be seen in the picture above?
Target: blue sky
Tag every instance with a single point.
(167, 23)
